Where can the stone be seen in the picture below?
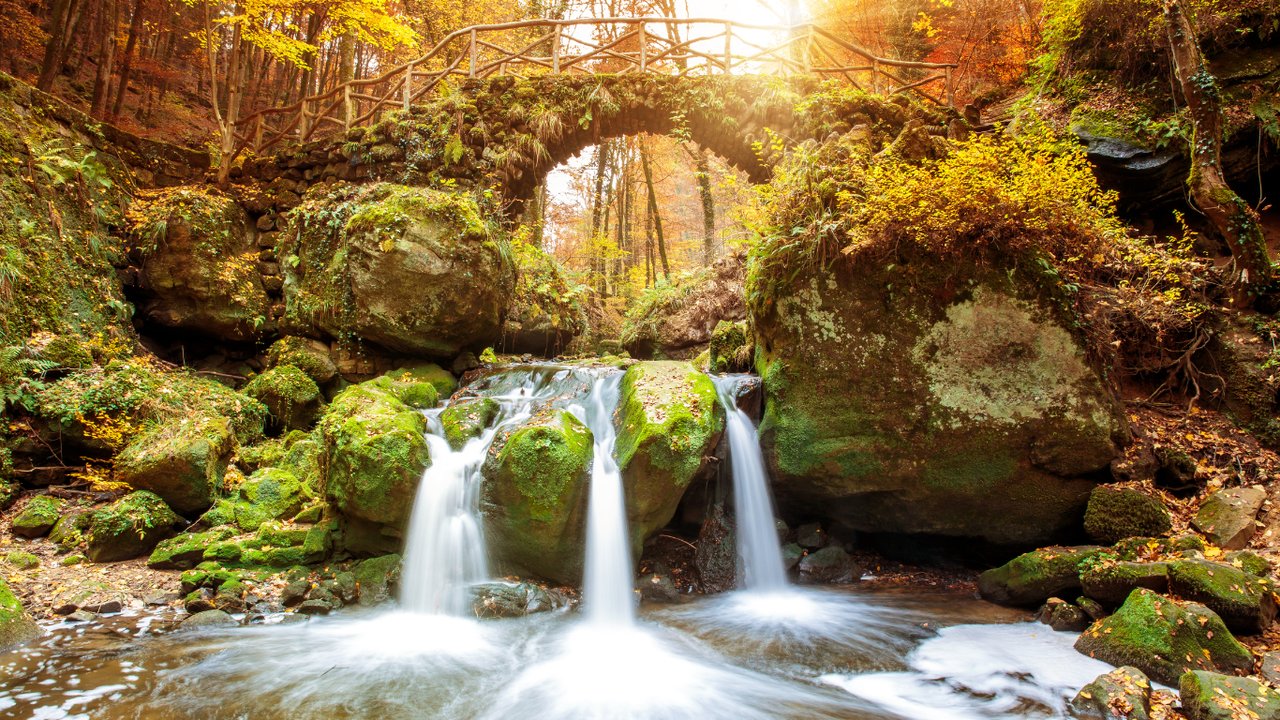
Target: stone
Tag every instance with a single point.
(546, 311)
(467, 419)
(658, 587)
(1269, 667)
(376, 579)
(1111, 581)
(292, 398)
(69, 531)
(66, 609)
(22, 560)
(308, 355)
(974, 411)
(1228, 517)
(791, 556)
(508, 600)
(1116, 513)
(1212, 696)
(314, 607)
(678, 318)
(82, 616)
(16, 626)
(1036, 576)
(38, 517)
(182, 461)
(104, 608)
(1164, 638)
(730, 348)
(535, 496)
(129, 527)
(185, 551)
(1245, 602)
(830, 565)
(716, 556)
(1122, 694)
(208, 619)
(413, 270)
(669, 420)
(1062, 616)
(811, 536)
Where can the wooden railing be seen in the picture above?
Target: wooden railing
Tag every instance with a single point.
(669, 46)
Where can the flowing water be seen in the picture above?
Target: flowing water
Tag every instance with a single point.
(768, 651)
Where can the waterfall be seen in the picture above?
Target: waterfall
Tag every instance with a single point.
(759, 552)
(607, 586)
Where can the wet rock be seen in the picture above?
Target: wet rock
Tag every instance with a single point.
(1245, 602)
(791, 556)
(1111, 581)
(467, 419)
(506, 600)
(811, 536)
(1211, 696)
(1092, 608)
(185, 551)
(1122, 694)
(104, 608)
(1114, 514)
(199, 600)
(160, 599)
(16, 626)
(376, 579)
(66, 609)
(208, 619)
(657, 586)
(38, 517)
(830, 565)
(314, 607)
(716, 557)
(129, 527)
(1228, 516)
(82, 616)
(295, 592)
(535, 496)
(1269, 667)
(292, 398)
(1063, 616)
(1164, 638)
(1036, 576)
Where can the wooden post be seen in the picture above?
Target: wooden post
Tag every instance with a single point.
(257, 135)
(555, 51)
(728, 39)
(951, 88)
(875, 76)
(408, 86)
(304, 122)
(347, 114)
(472, 72)
(643, 55)
(808, 52)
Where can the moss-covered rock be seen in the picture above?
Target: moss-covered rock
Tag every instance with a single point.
(677, 317)
(38, 517)
(289, 394)
(16, 626)
(437, 377)
(1034, 577)
(1110, 581)
(70, 530)
(731, 349)
(468, 419)
(185, 551)
(182, 461)
(200, 263)
(1116, 513)
(1213, 696)
(913, 395)
(310, 356)
(1245, 602)
(1228, 517)
(1164, 638)
(268, 494)
(669, 420)
(129, 527)
(1122, 694)
(376, 578)
(535, 496)
(546, 311)
(374, 454)
(410, 269)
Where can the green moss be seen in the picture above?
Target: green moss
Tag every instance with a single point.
(442, 380)
(225, 553)
(183, 460)
(1213, 696)
(1114, 514)
(1110, 581)
(730, 349)
(22, 560)
(467, 419)
(409, 388)
(38, 517)
(288, 393)
(669, 414)
(375, 576)
(16, 626)
(129, 527)
(1245, 602)
(186, 550)
(304, 355)
(1034, 577)
(1164, 638)
(69, 531)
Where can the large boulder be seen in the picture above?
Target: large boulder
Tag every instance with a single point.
(1245, 602)
(182, 461)
(535, 496)
(1122, 694)
(1164, 638)
(1228, 517)
(200, 263)
(289, 394)
(677, 317)
(669, 420)
(546, 311)
(16, 626)
(468, 419)
(1032, 578)
(374, 453)
(413, 270)
(38, 517)
(268, 494)
(129, 527)
(1213, 696)
(1116, 513)
(916, 396)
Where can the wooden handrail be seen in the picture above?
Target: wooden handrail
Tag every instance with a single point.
(344, 106)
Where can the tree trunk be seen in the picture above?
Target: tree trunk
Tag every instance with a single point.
(703, 176)
(126, 63)
(653, 208)
(64, 16)
(1229, 215)
(106, 59)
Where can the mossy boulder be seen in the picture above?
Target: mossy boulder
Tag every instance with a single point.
(183, 461)
(669, 420)
(310, 356)
(1032, 578)
(911, 395)
(730, 349)
(374, 454)
(1164, 638)
(411, 269)
(16, 626)
(200, 263)
(377, 578)
(442, 380)
(1116, 513)
(535, 496)
(38, 517)
(467, 419)
(1110, 581)
(1245, 602)
(1213, 696)
(413, 387)
(268, 494)
(289, 394)
(1228, 517)
(129, 527)
(1122, 694)
(677, 317)
(546, 311)
(185, 551)
(70, 529)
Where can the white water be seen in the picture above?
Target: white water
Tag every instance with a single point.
(608, 599)
(759, 554)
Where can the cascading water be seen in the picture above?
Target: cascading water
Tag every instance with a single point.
(759, 553)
